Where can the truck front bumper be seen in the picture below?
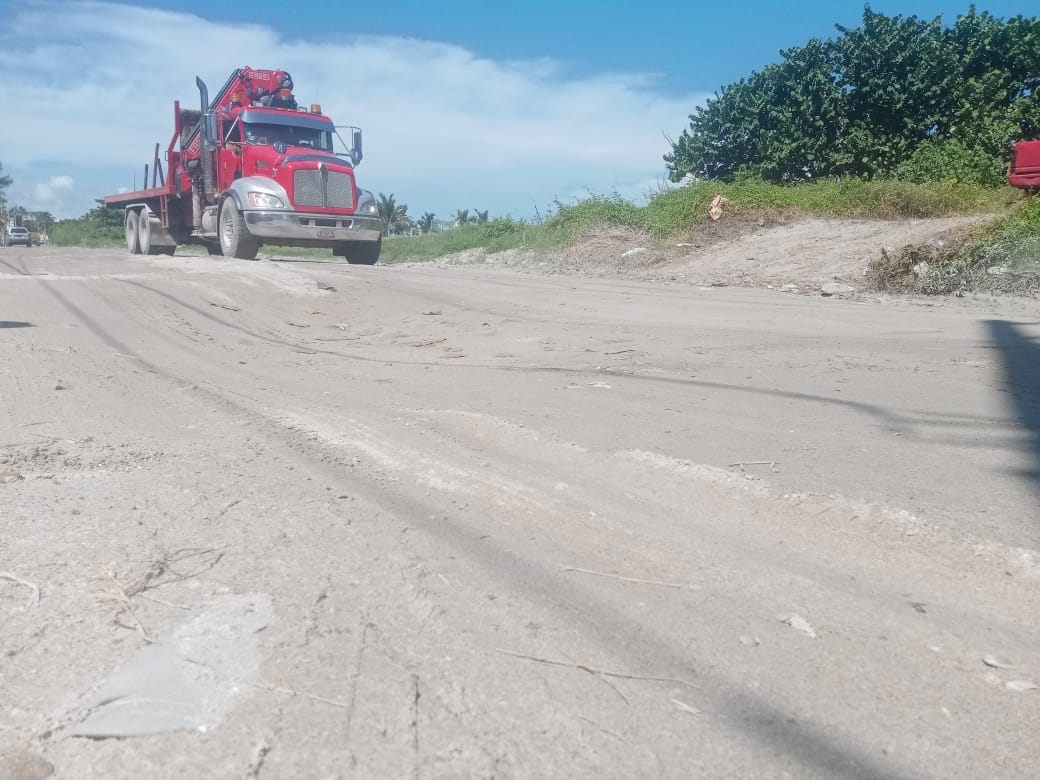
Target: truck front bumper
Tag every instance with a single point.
(316, 229)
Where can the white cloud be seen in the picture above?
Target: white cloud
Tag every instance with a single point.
(444, 128)
(52, 190)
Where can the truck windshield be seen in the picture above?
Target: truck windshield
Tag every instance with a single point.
(290, 135)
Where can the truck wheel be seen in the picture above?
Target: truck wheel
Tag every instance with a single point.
(133, 239)
(359, 252)
(235, 238)
(144, 235)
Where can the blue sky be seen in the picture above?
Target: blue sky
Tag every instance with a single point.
(464, 104)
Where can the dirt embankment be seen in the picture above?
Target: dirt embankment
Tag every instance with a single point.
(810, 255)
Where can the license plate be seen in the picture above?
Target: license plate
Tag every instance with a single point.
(326, 233)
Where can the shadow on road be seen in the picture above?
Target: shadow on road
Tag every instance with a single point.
(14, 324)
(1021, 357)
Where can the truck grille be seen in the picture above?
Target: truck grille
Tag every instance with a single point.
(333, 190)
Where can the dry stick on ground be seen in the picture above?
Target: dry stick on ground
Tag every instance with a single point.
(122, 598)
(162, 567)
(771, 463)
(604, 729)
(674, 585)
(34, 599)
(291, 692)
(590, 670)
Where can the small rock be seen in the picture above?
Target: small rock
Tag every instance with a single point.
(23, 765)
(799, 623)
(997, 270)
(639, 250)
(59, 386)
(834, 288)
(1021, 686)
(750, 641)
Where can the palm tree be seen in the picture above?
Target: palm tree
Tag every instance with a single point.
(426, 222)
(481, 217)
(461, 217)
(393, 217)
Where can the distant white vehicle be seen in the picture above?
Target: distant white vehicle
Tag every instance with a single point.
(18, 235)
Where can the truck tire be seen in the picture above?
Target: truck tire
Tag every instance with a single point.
(235, 238)
(133, 238)
(359, 252)
(144, 235)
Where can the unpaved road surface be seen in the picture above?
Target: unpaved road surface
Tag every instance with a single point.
(413, 522)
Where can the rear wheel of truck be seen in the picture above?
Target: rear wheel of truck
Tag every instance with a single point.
(133, 239)
(359, 252)
(235, 238)
(144, 235)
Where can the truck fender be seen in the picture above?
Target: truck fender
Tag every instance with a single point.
(240, 189)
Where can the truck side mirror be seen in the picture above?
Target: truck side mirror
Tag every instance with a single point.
(355, 153)
(209, 132)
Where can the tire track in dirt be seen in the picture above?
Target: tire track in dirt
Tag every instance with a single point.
(806, 743)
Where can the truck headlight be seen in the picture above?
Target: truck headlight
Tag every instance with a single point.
(370, 208)
(263, 200)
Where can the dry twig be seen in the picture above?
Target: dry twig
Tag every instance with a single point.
(590, 670)
(122, 598)
(34, 599)
(161, 571)
(674, 585)
(291, 692)
(771, 463)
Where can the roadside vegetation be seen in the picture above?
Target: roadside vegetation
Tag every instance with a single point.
(680, 213)
(1000, 256)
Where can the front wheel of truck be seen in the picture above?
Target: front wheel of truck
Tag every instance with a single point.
(235, 238)
(359, 252)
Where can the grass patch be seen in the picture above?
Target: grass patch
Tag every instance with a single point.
(684, 209)
(1003, 256)
(494, 236)
(84, 232)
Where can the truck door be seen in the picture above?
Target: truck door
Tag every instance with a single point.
(229, 154)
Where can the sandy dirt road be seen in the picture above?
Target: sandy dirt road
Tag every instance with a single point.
(413, 522)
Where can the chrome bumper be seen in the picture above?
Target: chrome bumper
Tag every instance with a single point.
(296, 226)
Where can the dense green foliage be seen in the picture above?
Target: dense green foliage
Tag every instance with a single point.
(100, 226)
(898, 96)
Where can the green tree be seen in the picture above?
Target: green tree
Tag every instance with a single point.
(480, 217)
(5, 182)
(426, 222)
(893, 96)
(461, 217)
(393, 216)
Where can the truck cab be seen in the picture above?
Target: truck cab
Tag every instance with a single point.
(253, 167)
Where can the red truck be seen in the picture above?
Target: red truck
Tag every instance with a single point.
(251, 168)
(1024, 171)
